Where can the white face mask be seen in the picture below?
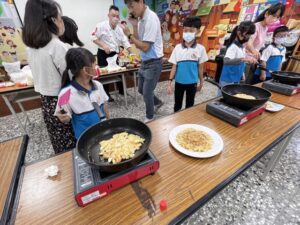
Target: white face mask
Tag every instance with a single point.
(188, 36)
(279, 41)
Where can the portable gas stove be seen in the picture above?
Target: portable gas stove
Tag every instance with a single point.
(285, 89)
(91, 184)
(232, 114)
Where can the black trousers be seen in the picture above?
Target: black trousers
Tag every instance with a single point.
(101, 58)
(190, 90)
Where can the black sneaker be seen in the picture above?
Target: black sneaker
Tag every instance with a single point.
(111, 99)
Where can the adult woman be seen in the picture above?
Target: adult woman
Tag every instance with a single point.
(257, 40)
(46, 56)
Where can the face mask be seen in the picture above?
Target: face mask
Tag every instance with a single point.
(245, 39)
(188, 36)
(279, 41)
(166, 36)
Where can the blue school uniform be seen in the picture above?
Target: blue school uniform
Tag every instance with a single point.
(80, 108)
(232, 73)
(274, 56)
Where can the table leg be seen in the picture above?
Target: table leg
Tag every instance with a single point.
(13, 112)
(276, 155)
(125, 90)
(135, 87)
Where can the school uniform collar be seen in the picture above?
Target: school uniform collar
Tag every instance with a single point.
(193, 45)
(78, 87)
(146, 12)
(238, 43)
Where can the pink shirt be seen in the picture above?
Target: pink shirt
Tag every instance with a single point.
(258, 38)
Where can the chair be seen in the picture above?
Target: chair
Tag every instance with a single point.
(23, 97)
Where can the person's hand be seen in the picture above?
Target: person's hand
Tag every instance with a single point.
(106, 49)
(169, 89)
(256, 54)
(63, 117)
(262, 76)
(250, 60)
(199, 87)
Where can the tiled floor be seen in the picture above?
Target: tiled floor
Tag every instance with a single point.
(247, 200)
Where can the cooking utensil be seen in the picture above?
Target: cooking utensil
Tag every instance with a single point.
(285, 77)
(88, 143)
(228, 91)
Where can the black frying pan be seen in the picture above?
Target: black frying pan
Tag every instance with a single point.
(228, 91)
(88, 143)
(285, 77)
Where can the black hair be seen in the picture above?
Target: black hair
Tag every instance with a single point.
(280, 29)
(129, 1)
(70, 35)
(113, 7)
(192, 21)
(245, 27)
(38, 22)
(76, 60)
(272, 10)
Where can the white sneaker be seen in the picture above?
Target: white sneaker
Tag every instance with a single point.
(146, 120)
(157, 107)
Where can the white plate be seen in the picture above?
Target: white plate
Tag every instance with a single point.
(217, 141)
(273, 107)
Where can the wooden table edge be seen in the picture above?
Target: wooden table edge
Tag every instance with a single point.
(15, 182)
(202, 201)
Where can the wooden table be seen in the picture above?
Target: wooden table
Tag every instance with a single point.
(12, 154)
(291, 101)
(185, 183)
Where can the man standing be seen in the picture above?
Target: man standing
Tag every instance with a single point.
(146, 37)
(109, 36)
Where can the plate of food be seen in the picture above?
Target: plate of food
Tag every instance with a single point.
(273, 107)
(196, 140)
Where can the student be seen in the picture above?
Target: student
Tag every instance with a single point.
(70, 35)
(257, 41)
(83, 92)
(46, 57)
(234, 60)
(187, 59)
(272, 56)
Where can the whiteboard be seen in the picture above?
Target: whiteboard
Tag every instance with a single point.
(85, 13)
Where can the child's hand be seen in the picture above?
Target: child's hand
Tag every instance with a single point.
(262, 77)
(199, 87)
(169, 89)
(63, 117)
(250, 60)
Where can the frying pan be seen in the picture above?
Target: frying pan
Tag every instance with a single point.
(228, 91)
(285, 77)
(88, 145)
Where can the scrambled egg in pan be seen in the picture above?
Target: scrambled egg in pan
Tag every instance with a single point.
(120, 147)
(244, 96)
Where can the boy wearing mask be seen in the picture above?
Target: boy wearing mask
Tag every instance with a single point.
(187, 59)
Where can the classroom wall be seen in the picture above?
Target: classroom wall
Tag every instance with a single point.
(85, 13)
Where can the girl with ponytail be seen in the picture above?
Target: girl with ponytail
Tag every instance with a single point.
(46, 57)
(82, 91)
(234, 60)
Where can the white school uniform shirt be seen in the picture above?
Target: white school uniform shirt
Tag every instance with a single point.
(271, 50)
(114, 38)
(149, 30)
(47, 65)
(235, 52)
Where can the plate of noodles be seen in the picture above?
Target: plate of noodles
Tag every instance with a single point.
(196, 141)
